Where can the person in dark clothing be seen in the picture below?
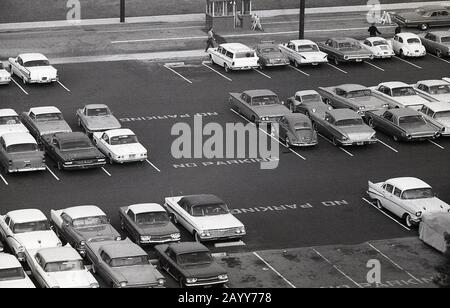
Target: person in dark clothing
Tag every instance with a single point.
(398, 29)
(373, 30)
(211, 39)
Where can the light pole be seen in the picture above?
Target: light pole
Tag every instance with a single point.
(301, 20)
(122, 10)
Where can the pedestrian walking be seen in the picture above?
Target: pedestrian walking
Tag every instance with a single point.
(373, 30)
(398, 29)
(211, 39)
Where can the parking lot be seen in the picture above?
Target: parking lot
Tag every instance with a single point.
(315, 197)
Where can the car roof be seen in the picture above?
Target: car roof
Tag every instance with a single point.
(407, 35)
(196, 200)
(84, 211)
(236, 47)
(8, 261)
(302, 42)
(343, 114)
(32, 56)
(119, 132)
(187, 247)
(434, 82)
(343, 39)
(8, 112)
(57, 254)
(294, 118)
(432, 7)
(68, 136)
(146, 208)
(26, 215)
(351, 87)
(44, 110)
(404, 183)
(306, 92)
(95, 106)
(394, 84)
(261, 92)
(18, 138)
(438, 106)
(376, 38)
(120, 249)
(440, 33)
(266, 44)
(399, 112)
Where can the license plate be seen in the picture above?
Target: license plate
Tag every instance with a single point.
(132, 155)
(358, 60)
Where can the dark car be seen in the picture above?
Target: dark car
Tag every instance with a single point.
(345, 49)
(308, 102)
(148, 223)
(404, 124)
(72, 151)
(191, 264)
(270, 55)
(424, 17)
(297, 130)
(437, 42)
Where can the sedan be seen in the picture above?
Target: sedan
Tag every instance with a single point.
(33, 68)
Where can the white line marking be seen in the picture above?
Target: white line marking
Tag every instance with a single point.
(438, 58)
(337, 68)
(150, 163)
(170, 69)
(65, 88)
(147, 29)
(336, 268)
(412, 64)
(438, 145)
(370, 203)
(274, 270)
(52, 173)
(392, 261)
(267, 76)
(229, 79)
(4, 180)
(387, 145)
(312, 20)
(109, 174)
(229, 244)
(23, 90)
(340, 148)
(300, 71)
(373, 65)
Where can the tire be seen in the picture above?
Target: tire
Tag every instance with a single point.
(122, 224)
(24, 80)
(253, 119)
(110, 160)
(423, 27)
(408, 220)
(335, 142)
(336, 61)
(327, 101)
(378, 204)
(59, 166)
(197, 237)
(287, 142)
(175, 220)
(226, 68)
(395, 138)
(371, 123)
(296, 64)
(439, 53)
(181, 283)
(401, 54)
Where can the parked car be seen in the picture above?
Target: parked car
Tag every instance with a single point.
(424, 17)
(308, 102)
(19, 152)
(81, 224)
(206, 217)
(26, 229)
(303, 52)
(407, 197)
(345, 50)
(45, 120)
(402, 95)
(403, 124)
(191, 264)
(5, 76)
(433, 230)
(344, 127)
(72, 151)
(10, 122)
(259, 106)
(148, 223)
(123, 264)
(297, 130)
(234, 56)
(437, 42)
(438, 113)
(379, 47)
(407, 44)
(33, 68)
(120, 146)
(355, 97)
(96, 118)
(12, 274)
(270, 55)
(436, 89)
(60, 267)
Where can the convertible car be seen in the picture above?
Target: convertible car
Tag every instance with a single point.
(96, 118)
(308, 102)
(45, 120)
(345, 50)
(297, 130)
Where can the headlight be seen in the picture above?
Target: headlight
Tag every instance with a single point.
(409, 136)
(94, 285)
(418, 214)
(123, 284)
(223, 277)
(330, 108)
(175, 236)
(205, 234)
(101, 159)
(145, 238)
(240, 230)
(345, 57)
(191, 280)
(385, 106)
(362, 108)
(118, 238)
(161, 281)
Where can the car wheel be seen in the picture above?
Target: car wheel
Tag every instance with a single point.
(122, 224)
(110, 159)
(287, 142)
(227, 69)
(181, 282)
(327, 101)
(439, 53)
(296, 64)
(395, 138)
(24, 80)
(335, 142)
(253, 119)
(336, 61)
(175, 220)
(371, 123)
(401, 54)
(378, 204)
(408, 221)
(59, 166)
(423, 27)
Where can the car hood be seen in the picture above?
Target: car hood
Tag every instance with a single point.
(138, 275)
(72, 155)
(52, 127)
(19, 284)
(271, 110)
(125, 149)
(97, 231)
(12, 128)
(102, 123)
(429, 205)
(204, 271)
(218, 222)
(48, 71)
(4, 73)
(72, 279)
(158, 229)
(38, 239)
(356, 133)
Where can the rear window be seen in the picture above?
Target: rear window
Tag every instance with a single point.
(96, 112)
(21, 148)
(358, 93)
(408, 120)
(311, 98)
(380, 43)
(11, 274)
(445, 39)
(76, 144)
(31, 227)
(440, 89)
(49, 117)
(265, 100)
(65, 266)
(403, 91)
(123, 140)
(36, 63)
(413, 41)
(349, 122)
(9, 120)
(309, 47)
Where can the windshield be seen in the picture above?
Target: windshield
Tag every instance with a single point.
(123, 140)
(403, 91)
(64, 266)
(23, 147)
(442, 115)
(209, 210)
(305, 48)
(152, 218)
(312, 98)
(32, 226)
(445, 39)
(349, 122)
(36, 63)
(11, 273)
(420, 193)
(408, 120)
(75, 144)
(49, 117)
(269, 50)
(358, 93)
(349, 45)
(90, 221)
(265, 100)
(440, 89)
(413, 41)
(249, 54)
(194, 258)
(129, 261)
(380, 43)
(96, 112)
(10, 120)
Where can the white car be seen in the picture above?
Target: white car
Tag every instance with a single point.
(407, 44)
(437, 89)
(12, 274)
(379, 47)
(120, 146)
(408, 198)
(303, 52)
(5, 76)
(60, 267)
(234, 56)
(10, 122)
(438, 113)
(33, 68)
(206, 217)
(27, 229)
(403, 94)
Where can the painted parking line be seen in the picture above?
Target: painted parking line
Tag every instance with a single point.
(387, 215)
(335, 67)
(340, 148)
(217, 72)
(265, 75)
(274, 270)
(443, 60)
(104, 170)
(51, 172)
(174, 71)
(438, 145)
(387, 145)
(151, 164)
(65, 88)
(3, 179)
(375, 66)
(315, 20)
(336, 268)
(407, 62)
(300, 71)
(17, 84)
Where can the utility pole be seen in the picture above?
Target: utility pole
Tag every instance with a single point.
(301, 20)
(122, 10)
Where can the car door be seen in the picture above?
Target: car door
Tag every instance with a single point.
(65, 228)
(387, 192)
(368, 45)
(130, 220)
(387, 124)
(397, 206)
(104, 144)
(103, 268)
(323, 126)
(219, 56)
(245, 109)
(52, 150)
(4, 228)
(283, 128)
(3, 154)
(35, 266)
(396, 44)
